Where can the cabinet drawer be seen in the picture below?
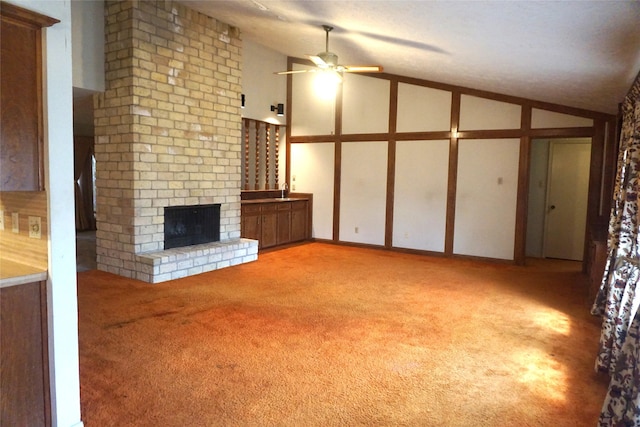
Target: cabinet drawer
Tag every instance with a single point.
(254, 208)
(269, 207)
(298, 205)
(284, 206)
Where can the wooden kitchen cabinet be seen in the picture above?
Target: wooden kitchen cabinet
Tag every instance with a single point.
(284, 223)
(269, 226)
(275, 222)
(24, 376)
(21, 144)
(299, 216)
(250, 223)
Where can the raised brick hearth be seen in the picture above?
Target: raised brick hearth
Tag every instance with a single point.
(168, 133)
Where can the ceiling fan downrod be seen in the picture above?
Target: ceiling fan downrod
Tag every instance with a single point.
(327, 28)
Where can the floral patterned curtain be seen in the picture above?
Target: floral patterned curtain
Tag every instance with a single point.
(617, 301)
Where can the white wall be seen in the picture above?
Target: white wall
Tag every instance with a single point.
(551, 119)
(486, 172)
(420, 195)
(481, 114)
(363, 192)
(423, 109)
(312, 170)
(87, 31)
(261, 87)
(365, 114)
(486, 198)
(313, 109)
(485, 208)
(58, 142)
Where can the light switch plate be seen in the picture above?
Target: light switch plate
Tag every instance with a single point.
(1, 220)
(35, 226)
(15, 222)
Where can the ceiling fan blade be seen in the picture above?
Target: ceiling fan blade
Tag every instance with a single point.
(363, 68)
(291, 72)
(318, 61)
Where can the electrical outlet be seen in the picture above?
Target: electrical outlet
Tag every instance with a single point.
(1, 220)
(356, 230)
(35, 227)
(15, 222)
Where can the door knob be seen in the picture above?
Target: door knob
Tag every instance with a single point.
(552, 207)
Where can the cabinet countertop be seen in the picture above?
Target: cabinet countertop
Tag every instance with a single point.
(14, 273)
(273, 200)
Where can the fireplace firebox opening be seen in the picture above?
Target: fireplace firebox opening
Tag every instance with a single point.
(191, 225)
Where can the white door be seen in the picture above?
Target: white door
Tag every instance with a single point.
(567, 194)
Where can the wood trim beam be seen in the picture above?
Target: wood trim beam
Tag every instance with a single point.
(522, 198)
(337, 173)
(391, 164)
(580, 132)
(453, 174)
(26, 17)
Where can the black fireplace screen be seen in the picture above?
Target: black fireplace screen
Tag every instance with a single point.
(191, 225)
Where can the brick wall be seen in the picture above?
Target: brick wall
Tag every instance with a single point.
(167, 127)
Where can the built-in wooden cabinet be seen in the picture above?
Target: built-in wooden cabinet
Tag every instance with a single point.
(250, 226)
(24, 376)
(269, 225)
(21, 144)
(299, 221)
(24, 368)
(275, 222)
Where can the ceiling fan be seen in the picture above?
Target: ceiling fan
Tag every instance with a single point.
(329, 61)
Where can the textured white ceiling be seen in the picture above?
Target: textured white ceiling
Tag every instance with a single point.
(583, 54)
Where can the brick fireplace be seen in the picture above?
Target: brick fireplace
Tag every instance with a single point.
(168, 133)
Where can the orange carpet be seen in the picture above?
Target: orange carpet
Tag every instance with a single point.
(324, 335)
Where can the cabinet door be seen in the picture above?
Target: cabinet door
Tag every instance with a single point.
(284, 223)
(299, 221)
(251, 226)
(23, 363)
(250, 223)
(269, 231)
(20, 160)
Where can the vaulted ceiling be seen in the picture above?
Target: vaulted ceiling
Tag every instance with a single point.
(583, 54)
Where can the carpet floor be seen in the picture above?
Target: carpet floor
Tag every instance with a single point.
(326, 335)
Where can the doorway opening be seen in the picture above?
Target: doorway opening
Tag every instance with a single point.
(558, 198)
(85, 179)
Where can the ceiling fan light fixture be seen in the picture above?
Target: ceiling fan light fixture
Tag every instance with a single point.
(326, 83)
(328, 61)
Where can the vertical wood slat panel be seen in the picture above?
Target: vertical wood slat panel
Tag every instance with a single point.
(256, 185)
(270, 134)
(245, 123)
(267, 134)
(276, 178)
